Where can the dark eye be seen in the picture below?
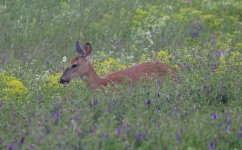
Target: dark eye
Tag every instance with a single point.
(74, 66)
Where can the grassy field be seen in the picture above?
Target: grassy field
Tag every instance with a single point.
(201, 39)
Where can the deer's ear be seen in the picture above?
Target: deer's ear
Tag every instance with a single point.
(87, 49)
(79, 48)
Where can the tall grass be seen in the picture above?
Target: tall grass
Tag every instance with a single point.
(201, 39)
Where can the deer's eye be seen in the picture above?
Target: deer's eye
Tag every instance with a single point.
(74, 66)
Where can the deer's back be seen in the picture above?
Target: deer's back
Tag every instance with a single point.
(148, 69)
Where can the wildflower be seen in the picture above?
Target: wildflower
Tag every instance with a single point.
(159, 82)
(179, 135)
(241, 128)
(104, 136)
(188, 67)
(47, 130)
(227, 118)
(158, 94)
(119, 131)
(1, 104)
(220, 53)
(197, 27)
(80, 133)
(62, 68)
(57, 116)
(215, 66)
(139, 137)
(4, 60)
(239, 134)
(74, 124)
(147, 102)
(212, 145)
(30, 147)
(10, 146)
(195, 34)
(227, 129)
(176, 111)
(12, 87)
(128, 130)
(64, 59)
(21, 140)
(215, 116)
(93, 129)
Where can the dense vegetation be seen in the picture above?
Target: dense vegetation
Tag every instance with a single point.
(201, 39)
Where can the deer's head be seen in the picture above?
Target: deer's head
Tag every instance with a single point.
(78, 66)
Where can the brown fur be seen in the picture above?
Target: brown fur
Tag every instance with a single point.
(84, 69)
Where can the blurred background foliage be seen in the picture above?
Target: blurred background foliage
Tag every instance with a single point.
(30, 29)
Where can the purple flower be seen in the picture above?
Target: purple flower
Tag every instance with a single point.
(21, 140)
(195, 34)
(176, 111)
(147, 102)
(159, 82)
(197, 27)
(128, 130)
(158, 94)
(1, 104)
(241, 128)
(80, 133)
(139, 137)
(220, 53)
(239, 134)
(187, 67)
(47, 130)
(215, 66)
(30, 147)
(10, 146)
(93, 129)
(57, 116)
(119, 131)
(227, 129)
(212, 145)
(4, 60)
(179, 135)
(104, 136)
(215, 116)
(227, 117)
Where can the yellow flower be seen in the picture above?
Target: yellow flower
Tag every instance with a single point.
(52, 80)
(12, 87)
(108, 66)
(164, 56)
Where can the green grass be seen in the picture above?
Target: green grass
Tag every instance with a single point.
(201, 110)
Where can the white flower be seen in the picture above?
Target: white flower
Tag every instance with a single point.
(64, 59)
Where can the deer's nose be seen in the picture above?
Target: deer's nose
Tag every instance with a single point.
(63, 81)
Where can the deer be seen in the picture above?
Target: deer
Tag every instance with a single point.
(80, 66)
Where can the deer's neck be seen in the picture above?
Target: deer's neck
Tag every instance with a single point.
(92, 78)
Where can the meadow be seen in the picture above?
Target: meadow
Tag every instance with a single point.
(201, 39)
